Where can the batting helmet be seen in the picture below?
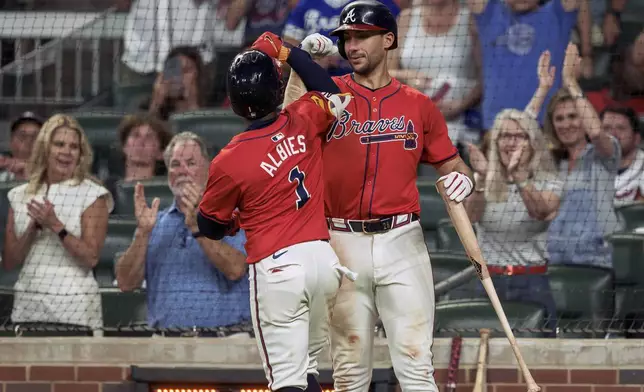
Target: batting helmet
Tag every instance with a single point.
(365, 15)
(254, 84)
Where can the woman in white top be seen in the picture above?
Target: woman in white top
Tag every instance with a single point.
(438, 56)
(56, 228)
(517, 194)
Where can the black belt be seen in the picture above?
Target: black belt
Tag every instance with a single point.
(371, 226)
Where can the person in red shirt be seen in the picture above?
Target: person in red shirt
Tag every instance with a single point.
(268, 180)
(372, 206)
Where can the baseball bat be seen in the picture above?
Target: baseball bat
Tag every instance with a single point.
(463, 227)
(480, 383)
(454, 360)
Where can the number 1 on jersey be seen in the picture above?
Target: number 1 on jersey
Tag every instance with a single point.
(301, 192)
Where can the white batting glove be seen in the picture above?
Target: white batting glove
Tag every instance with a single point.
(457, 186)
(318, 46)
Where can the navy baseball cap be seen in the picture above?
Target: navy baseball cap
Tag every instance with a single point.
(24, 117)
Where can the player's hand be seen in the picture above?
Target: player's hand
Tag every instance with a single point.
(272, 46)
(318, 46)
(457, 186)
(146, 216)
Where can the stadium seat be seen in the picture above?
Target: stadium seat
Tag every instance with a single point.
(130, 98)
(584, 296)
(447, 237)
(467, 317)
(156, 187)
(432, 207)
(119, 238)
(627, 258)
(446, 264)
(100, 126)
(216, 126)
(633, 215)
(124, 314)
(430, 240)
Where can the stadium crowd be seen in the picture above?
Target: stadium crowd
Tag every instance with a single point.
(554, 154)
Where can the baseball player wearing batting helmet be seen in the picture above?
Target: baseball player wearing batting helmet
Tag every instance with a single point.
(268, 180)
(372, 205)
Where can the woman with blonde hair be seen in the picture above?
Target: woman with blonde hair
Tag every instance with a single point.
(56, 227)
(588, 159)
(517, 193)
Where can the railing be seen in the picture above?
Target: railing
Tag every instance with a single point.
(48, 35)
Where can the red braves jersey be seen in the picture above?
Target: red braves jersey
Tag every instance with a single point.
(372, 152)
(273, 175)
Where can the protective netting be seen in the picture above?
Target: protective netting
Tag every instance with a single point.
(551, 131)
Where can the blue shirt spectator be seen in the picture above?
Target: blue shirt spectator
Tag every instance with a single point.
(323, 16)
(184, 288)
(192, 281)
(512, 41)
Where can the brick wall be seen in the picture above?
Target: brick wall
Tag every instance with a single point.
(113, 379)
(63, 378)
(552, 380)
(102, 364)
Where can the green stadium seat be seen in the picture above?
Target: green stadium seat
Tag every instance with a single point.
(633, 215)
(216, 126)
(432, 207)
(584, 296)
(156, 187)
(447, 237)
(130, 98)
(628, 258)
(446, 264)
(430, 240)
(119, 238)
(123, 313)
(467, 317)
(100, 126)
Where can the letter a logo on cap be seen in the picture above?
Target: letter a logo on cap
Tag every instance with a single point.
(351, 16)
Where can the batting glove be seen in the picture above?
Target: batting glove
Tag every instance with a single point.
(272, 46)
(457, 186)
(318, 46)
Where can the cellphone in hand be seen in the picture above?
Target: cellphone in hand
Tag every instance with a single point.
(172, 74)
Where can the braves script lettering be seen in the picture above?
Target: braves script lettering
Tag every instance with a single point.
(288, 147)
(396, 129)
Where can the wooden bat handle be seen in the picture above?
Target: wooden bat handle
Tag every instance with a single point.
(480, 382)
(463, 227)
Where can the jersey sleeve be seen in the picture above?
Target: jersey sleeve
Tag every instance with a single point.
(437, 146)
(219, 200)
(320, 109)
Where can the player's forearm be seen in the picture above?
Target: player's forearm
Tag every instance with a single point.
(130, 268)
(228, 260)
(295, 89)
(314, 77)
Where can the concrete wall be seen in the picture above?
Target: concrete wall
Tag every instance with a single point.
(101, 364)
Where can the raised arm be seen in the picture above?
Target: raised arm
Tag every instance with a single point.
(546, 74)
(590, 121)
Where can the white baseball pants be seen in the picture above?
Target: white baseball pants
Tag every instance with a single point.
(291, 295)
(394, 282)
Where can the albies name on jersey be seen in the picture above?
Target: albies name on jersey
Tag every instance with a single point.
(292, 145)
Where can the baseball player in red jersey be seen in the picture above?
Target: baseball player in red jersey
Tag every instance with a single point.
(372, 206)
(272, 174)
